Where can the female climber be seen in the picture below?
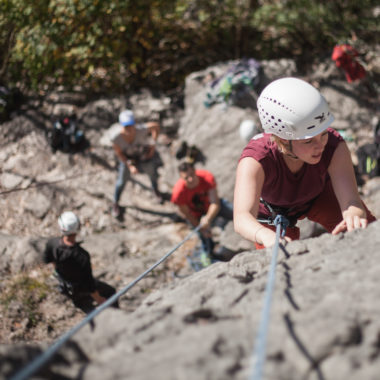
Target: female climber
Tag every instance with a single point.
(299, 167)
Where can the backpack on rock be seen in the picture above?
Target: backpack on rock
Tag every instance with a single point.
(66, 136)
(369, 156)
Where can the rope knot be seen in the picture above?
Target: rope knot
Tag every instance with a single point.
(283, 222)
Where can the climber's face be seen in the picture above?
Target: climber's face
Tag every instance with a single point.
(307, 150)
(311, 150)
(190, 178)
(129, 133)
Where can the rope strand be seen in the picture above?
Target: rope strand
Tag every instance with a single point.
(37, 363)
(259, 353)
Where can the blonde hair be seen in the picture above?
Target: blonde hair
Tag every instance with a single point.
(280, 143)
(284, 148)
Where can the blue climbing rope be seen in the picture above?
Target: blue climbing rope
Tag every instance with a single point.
(37, 363)
(261, 338)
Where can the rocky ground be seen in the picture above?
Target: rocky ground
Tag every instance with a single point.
(36, 185)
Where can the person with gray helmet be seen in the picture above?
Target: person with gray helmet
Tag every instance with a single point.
(299, 167)
(134, 145)
(73, 265)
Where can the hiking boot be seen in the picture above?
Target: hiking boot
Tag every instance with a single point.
(116, 210)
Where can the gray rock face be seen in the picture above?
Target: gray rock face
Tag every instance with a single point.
(18, 254)
(323, 323)
(324, 319)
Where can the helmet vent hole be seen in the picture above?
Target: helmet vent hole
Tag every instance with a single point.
(289, 116)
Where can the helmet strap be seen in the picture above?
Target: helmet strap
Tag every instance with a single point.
(285, 147)
(291, 154)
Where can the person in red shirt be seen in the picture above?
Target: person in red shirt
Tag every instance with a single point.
(345, 57)
(196, 196)
(300, 167)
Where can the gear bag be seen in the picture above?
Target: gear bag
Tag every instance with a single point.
(65, 135)
(369, 156)
(240, 80)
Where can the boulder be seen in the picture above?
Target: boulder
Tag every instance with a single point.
(323, 321)
(177, 324)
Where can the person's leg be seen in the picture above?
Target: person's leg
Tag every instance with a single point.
(84, 302)
(205, 254)
(326, 210)
(150, 168)
(207, 243)
(122, 177)
(66, 142)
(226, 209)
(106, 291)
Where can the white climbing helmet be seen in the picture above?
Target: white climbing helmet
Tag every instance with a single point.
(126, 117)
(247, 129)
(68, 223)
(293, 109)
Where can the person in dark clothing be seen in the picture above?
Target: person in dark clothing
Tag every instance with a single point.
(73, 266)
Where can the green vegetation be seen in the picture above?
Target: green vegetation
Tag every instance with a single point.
(118, 44)
(29, 293)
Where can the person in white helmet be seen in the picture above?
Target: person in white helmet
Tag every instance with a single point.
(299, 167)
(134, 145)
(247, 129)
(73, 265)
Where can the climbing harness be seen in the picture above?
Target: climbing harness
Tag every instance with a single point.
(281, 224)
(36, 364)
(276, 210)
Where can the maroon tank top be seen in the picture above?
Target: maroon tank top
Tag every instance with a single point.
(282, 188)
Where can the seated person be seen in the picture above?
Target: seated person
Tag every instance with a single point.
(196, 196)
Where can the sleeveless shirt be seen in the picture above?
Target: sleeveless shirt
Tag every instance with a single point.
(282, 188)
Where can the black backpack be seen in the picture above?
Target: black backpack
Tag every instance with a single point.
(65, 135)
(369, 156)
